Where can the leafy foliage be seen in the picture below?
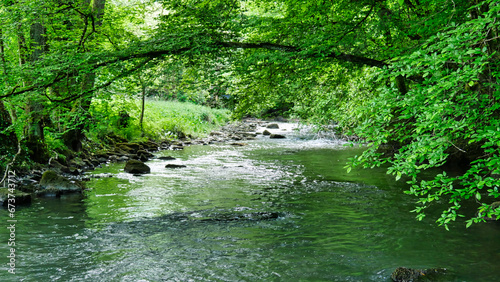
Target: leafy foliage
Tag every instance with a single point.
(450, 114)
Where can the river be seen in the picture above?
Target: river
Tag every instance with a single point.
(273, 210)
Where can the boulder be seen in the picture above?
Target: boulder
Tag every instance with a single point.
(21, 198)
(249, 134)
(102, 160)
(165, 145)
(52, 183)
(57, 165)
(266, 132)
(123, 149)
(77, 162)
(72, 170)
(273, 126)
(277, 136)
(123, 158)
(136, 167)
(144, 155)
(174, 166)
(238, 144)
(91, 162)
(142, 158)
(129, 148)
(166, 158)
(236, 137)
(150, 145)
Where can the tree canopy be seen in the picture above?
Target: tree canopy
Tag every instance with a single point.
(415, 79)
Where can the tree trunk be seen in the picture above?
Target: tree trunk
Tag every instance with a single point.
(35, 141)
(2, 56)
(143, 86)
(6, 138)
(72, 138)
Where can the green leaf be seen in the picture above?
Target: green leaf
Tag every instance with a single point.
(398, 176)
(469, 223)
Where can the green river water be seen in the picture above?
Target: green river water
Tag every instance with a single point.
(274, 210)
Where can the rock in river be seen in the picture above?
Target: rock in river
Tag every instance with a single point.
(52, 183)
(174, 166)
(135, 166)
(166, 158)
(277, 136)
(266, 132)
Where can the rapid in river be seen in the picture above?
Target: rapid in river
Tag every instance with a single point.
(272, 210)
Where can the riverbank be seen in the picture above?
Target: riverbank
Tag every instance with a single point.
(57, 178)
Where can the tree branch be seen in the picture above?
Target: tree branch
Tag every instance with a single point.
(284, 48)
(122, 56)
(121, 75)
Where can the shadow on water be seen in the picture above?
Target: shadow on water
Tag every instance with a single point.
(275, 210)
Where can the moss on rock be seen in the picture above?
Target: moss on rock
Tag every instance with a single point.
(51, 182)
(135, 166)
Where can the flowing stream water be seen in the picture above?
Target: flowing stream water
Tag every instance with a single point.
(273, 210)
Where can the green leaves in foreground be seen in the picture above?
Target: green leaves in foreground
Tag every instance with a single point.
(450, 115)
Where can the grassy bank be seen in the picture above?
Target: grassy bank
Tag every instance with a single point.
(162, 119)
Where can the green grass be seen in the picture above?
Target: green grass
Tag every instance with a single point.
(168, 118)
(162, 119)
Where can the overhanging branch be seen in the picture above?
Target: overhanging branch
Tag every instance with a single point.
(284, 48)
(138, 53)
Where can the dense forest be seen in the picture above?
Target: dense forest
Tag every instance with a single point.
(416, 81)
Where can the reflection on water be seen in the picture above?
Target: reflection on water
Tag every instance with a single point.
(275, 210)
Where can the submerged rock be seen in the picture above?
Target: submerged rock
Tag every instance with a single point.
(266, 132)
(174, 166)
(221, 216)
(52, 183)
(238, 144)
(166, 158)
(403, 274)
(135, 166)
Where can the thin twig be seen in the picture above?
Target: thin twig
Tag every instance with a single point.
(457, 147)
